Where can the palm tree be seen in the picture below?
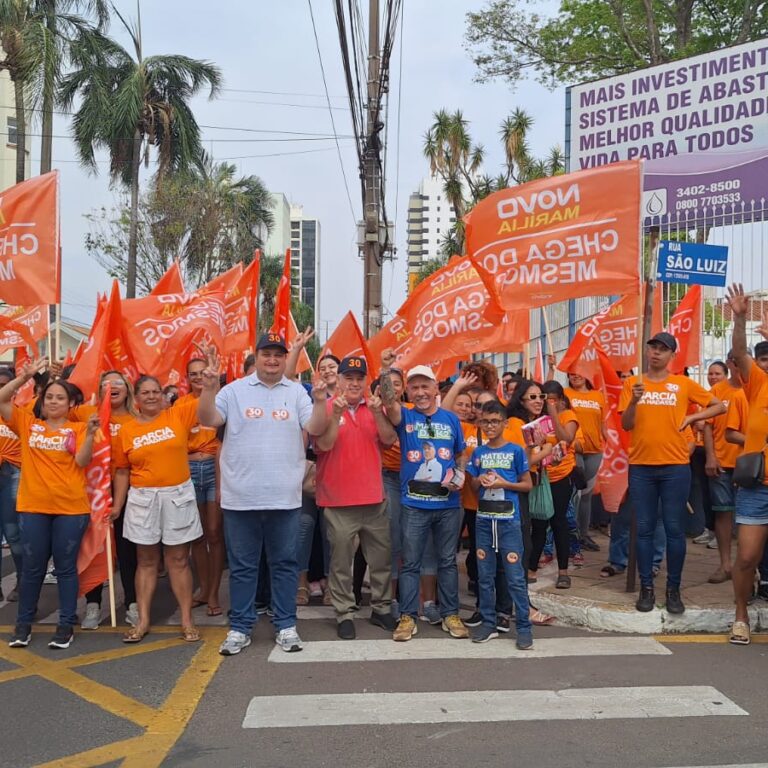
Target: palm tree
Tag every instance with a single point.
(130, 104)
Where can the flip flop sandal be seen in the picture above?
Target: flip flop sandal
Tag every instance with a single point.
(327, 597)
(196, 603)
(609, 570)
(213, 610)
(190, 634)
(740, 633)
(135, 635)
(563, 582)
(540, 619)
(302, 596)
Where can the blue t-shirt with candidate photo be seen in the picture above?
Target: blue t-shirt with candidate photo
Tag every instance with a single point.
(428, 446)
(508, 462)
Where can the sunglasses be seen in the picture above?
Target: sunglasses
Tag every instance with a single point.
(535, 397)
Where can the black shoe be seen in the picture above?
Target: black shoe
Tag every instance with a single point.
(62, 637)
(502, 623)
(647, 600)
(346, 629)
(590, 544)
(472, 587)
(21, 636)
(475, 620)
(384, 620)
(674, 602)
(762, 590)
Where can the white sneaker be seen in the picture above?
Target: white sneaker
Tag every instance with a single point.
(234, 643)
(712, 543)
(50, 578)
(132, 615)
(92, 616)
(289, 640)
(703, 538)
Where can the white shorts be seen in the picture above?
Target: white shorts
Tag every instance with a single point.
(167, 514)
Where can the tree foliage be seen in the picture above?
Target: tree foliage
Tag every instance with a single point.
(591, 39)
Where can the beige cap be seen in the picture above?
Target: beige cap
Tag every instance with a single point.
(421, 370)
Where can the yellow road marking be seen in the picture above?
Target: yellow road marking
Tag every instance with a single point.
(710, 639)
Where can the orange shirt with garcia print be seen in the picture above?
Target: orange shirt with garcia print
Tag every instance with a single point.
(50, 480)
(156, 451)
(756, 391)
(10, 447)
(201, 439)
(732, 398)
(589, 408)
(656, 438)
(565, 467)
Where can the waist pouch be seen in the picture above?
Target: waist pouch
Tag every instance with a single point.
(426, 488)
(749, 470)
(496, 507)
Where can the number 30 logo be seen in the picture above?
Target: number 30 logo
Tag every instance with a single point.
(280, 415)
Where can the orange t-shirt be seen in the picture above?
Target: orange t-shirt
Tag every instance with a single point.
(390, 457)
(589, 408)
(469, 498)
(50, 480)
(738, 416)
(565, 467)
(513, 432)
(756, 391)
(10, 447)
(201, 439)
(656, 438)
(733, 398)
(156, 451)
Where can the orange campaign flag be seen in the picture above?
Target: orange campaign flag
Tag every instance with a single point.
(170, 282)
(685, 326)
(283, 299)
(561, 237)
(36, 318)
(162, 331)
(30, 257)
(241, 309)
(538, 365)
(92, 567)
(13, 335)
(395, 335)
(224, 283)
(348, 341)
(303, 363)
(78, 352)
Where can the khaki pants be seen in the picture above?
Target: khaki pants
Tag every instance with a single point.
(369, 523)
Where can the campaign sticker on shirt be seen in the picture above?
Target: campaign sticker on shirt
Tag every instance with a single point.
(114, 428)
(672, 387)
(37, 428)
(409, 428)
(413, 455)
(342, 421)
(444, 453)
(253, 413)
(281, 414)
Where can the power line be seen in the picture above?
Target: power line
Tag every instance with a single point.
(330, 112)
(279, 93)
(277, 103)
(397, 154)
(217, 141)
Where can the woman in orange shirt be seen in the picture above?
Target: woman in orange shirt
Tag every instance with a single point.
(655, 413)
(589, 406)
(122, 411)
(161, 506)
(52, 502)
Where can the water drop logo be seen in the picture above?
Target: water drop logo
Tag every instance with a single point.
(655, 202)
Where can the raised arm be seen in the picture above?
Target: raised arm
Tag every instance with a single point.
(9, 390)
(85, 454)
(392, 407)
(462, 383)
(207, 413)
(318, 421)
(387, 434)
(739, 304)
(292, 358)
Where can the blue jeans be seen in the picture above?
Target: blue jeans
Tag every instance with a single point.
(416, 526)
(246, 533)
(9, 518)
(649, 485)
(501, 539)
(42, 536)
(203, 474)
(311, 515)
(392, 491)
(618, 549)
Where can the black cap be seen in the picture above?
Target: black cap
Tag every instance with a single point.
(272, 340)
(665, 339)
(761, 349)
(353, 365)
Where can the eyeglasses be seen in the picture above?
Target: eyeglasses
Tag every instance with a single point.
(430, 428)
(492, 422)
(535, 397)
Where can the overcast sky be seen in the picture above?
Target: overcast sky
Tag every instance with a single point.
(265, 46)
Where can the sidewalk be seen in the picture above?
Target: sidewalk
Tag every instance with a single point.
(603, 604)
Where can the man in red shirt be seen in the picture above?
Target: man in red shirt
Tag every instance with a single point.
(350, 487)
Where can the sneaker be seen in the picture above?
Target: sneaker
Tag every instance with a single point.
(346, 629)
(233, 643)
(502, 623)
(50, 578)
(475, 620)
(524, 641)
(454, 626)
(395, 610)
(703, 538)
(384, 620)
(578, 560)
(483, 634)
(288, 639)
(132, 615)
(674, 601)
(712, 543)
(762, 590)
(406, 629)
(430, 612)
(92, 616)
(647, 600)
(21, 636)
(62, 637)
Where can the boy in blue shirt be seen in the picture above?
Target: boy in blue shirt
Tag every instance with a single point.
(498, 470)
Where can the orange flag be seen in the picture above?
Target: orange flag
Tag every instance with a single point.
(241, 309)
(303, 363)
(36, 318)
(92, 557)
(348, 340)
(561, 237)
(538, 365)
(13, 334)
(30, 257)
(170, 282)
(224, 283)
(283, 299)
(685, 326)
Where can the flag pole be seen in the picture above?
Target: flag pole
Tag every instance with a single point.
(58, 331)
(547, 331)
(50, 336)
(111, 576)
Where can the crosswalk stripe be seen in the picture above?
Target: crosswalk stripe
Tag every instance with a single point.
(731, 765)
(447, 648)
(486, 706)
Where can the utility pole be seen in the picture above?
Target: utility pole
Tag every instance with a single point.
(371, 245)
